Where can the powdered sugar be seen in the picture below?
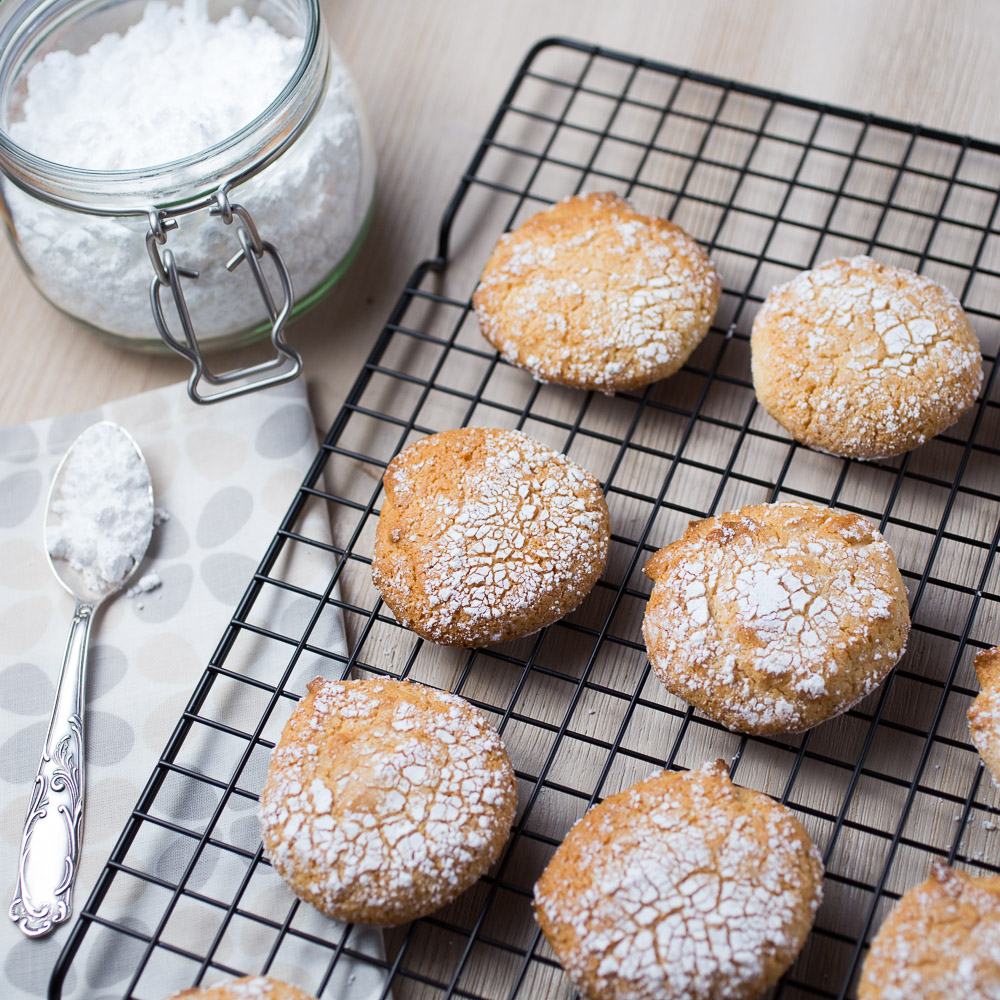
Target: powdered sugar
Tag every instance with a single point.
(146, 583)
(677, 892)
(859, 301)
(246, 988)
(81, 109)
(252, 988)
(104, 508)
(388, 798)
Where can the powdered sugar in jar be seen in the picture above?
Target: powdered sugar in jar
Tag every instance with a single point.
(163, 139)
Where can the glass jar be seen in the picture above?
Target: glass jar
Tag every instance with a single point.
(103, 245)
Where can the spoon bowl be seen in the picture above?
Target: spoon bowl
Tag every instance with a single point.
(98, 524)
(95, 559)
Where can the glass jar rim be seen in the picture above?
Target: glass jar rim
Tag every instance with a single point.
(184, 184)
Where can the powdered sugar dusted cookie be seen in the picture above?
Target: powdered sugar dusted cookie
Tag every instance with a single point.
(592, 294)
(864, 360)
(775, 617)
(486, 535)
(940, 942)
(682, 887)
(984, 712)
(385, 799)
(245, 988)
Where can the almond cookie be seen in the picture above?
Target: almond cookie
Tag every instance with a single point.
(592, 294)
(864, 360)
(385, 799)
(940, 942)
(682, 887)
(984, 712)
(486, 535)
(245, 988)
(775, 617)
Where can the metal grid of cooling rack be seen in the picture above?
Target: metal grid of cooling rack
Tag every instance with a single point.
(770, 185)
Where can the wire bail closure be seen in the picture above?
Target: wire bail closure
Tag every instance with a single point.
(167, 272)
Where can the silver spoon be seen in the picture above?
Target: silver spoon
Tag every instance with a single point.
(98, 523)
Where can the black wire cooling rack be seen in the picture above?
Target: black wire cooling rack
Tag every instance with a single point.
(770, 184)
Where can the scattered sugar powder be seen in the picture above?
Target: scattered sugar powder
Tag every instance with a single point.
(171, 86)
(258, 988)
(103, 506)
(251, 988)
(145, 583)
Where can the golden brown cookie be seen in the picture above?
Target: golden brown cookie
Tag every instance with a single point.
(940, 942)
(592, 294)
(245, 988)
(682, 887)
(775, 617)
(984, 712)
(385, 799)
(486, 535)
(862, 359)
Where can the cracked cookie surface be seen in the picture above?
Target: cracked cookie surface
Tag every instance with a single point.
(984, 712)
(864, 360)
(940, 942)
(775, 617)
(245, 988)
(593, 294)
(385, 799)
(683, 887)
(486, 535)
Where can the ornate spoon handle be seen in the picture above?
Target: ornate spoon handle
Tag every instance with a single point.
(51, 838)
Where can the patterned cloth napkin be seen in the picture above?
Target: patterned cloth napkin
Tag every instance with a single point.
(224, 475)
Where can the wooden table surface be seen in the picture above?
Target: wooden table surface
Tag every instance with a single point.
(431, 75)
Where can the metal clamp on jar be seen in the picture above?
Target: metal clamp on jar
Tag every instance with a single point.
(201, 252)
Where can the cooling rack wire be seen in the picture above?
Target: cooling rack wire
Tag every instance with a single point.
(770, 184)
